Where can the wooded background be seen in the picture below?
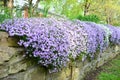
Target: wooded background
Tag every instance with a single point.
(99, 11)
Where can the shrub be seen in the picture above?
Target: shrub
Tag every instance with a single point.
(92, 18)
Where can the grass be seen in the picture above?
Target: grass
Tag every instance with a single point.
(111, 71)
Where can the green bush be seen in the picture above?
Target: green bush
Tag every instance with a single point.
(92, 18)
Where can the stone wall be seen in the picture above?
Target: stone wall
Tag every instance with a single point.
(13, 65)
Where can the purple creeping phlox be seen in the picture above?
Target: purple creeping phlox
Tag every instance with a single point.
(53, 42)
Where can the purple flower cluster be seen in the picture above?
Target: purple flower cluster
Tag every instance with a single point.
(53, 42)
(115, 36)
(76, 36)
(99, 36)
(95, 37)
(42, 39)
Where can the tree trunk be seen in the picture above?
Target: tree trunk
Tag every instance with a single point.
(86, 7)
(25, 12)
(108, 20)
(5, 3)
(10, 4)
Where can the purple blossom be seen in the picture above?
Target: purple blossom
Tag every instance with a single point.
(55, 41)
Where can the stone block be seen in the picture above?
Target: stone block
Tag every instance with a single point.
(18, 76)
(17, 67)
(3, 34)
(65, 74)
(35, 73)
(3, 71)
(12, 41)
(100, 62)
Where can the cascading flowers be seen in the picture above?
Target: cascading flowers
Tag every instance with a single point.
(53, 42)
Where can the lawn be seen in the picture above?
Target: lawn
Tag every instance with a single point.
(109, 71)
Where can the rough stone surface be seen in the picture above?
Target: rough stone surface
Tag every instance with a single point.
(5, 40)
(65, 74)
(36, 73)
(18, 76)
(6, 53)
(13, 66)
(3, 70)
(17, 67)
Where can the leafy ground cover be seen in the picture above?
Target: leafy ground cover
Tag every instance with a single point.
(109, 71)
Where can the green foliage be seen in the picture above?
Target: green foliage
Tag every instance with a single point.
(72, 8)
(45, 11)
(92, 18)
(107, 76)
(117, 23)
(46, 6)
(111, 70)
(6, 14)
(18, 12)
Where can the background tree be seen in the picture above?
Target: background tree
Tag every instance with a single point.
(107, 10)
(72, 8)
